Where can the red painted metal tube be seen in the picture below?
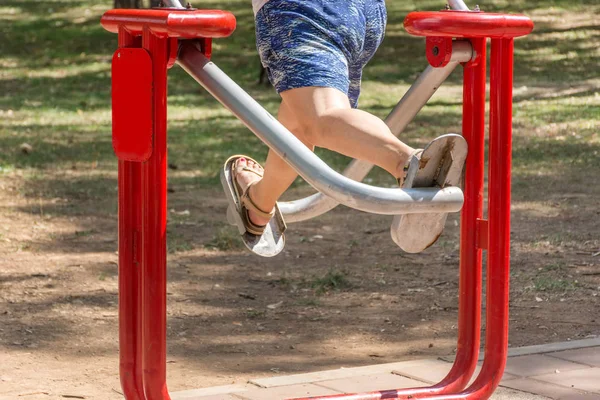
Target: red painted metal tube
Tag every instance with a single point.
(171, 23)
(498, 265)
(469, 299)
(154, 231)
(459, 24)
(130, 227)
(130, 363)
(469, 319)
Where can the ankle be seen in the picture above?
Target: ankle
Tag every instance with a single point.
(403, 160)
(258, 198)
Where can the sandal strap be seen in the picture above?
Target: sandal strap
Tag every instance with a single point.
(416, 153)
(253, 171)
(250, 205)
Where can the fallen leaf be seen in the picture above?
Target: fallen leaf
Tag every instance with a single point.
(274, 305)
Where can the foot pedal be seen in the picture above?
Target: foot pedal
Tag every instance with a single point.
(441, 164)
(272, 240)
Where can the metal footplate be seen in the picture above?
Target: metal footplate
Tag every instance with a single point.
(272, 241)
(441, 164)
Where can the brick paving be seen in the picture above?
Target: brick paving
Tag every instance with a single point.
(560, 371)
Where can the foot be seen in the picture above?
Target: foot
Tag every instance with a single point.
(404, 173)
(247, 173)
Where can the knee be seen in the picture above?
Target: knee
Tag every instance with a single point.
(306, 132)
(312, 130)
(301, 132)
(317, 128)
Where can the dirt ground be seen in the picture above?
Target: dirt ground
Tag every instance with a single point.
(341, 295)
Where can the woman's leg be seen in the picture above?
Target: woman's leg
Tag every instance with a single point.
(325, 114)
(322, 117)
(278, 175)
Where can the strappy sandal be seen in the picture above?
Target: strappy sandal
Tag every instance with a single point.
(440, 165)
(265, 241)
(247, 203)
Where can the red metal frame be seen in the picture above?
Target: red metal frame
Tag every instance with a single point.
(143, 189)
(171, 23)
(142, 198)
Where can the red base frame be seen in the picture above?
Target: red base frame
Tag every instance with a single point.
(143, 200)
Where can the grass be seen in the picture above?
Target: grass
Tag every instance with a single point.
(55, 96)
(332, 280)
(547, 284)
(226, 239)
(255, 314)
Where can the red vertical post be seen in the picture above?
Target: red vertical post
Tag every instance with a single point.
(130, 228)
(469, 299)
(498, 260)
(154, 230)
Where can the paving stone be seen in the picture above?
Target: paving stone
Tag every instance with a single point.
(581, 396)
(217, 397)
(326, 375)
(286, 392)
(550, 347)
(548, 389)
(537, 364)
(505, 377)
(589, 356)
(510, 394)
(542, 348)
(371, 383)
(426, 370)
(574, 359)
(583, 379)
(433, 371)
(210, 391)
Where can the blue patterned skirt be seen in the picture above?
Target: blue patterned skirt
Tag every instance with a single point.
(323, 43)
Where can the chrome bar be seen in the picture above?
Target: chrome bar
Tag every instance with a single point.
(458, 5)
(407, 108)
(173, 4)
(354, 194)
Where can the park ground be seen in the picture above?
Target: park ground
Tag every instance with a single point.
(341, 294)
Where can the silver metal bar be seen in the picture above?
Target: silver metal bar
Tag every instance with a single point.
(173, 4)
(407, 108)
(354, 194)
(458, 5)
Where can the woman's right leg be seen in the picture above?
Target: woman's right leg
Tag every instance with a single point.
(322, 117)
(325, 114)
(278, 175)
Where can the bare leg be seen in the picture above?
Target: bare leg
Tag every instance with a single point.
(322, 117)
(278, 175)
(334, 125)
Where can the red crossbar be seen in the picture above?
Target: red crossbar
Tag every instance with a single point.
(172, 23)
(461, 24)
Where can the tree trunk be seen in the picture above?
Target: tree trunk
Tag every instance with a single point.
(127, 3)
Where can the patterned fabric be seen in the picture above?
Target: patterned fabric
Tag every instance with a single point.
(322, 43)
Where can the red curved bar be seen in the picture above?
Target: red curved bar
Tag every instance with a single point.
(171, 23)
(461, 24)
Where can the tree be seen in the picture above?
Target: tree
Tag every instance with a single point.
(127, 3)
(135, 3)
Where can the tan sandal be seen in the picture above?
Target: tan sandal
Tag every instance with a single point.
(410, 169)
(440, 165)
(265, 241)
(247, 203)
